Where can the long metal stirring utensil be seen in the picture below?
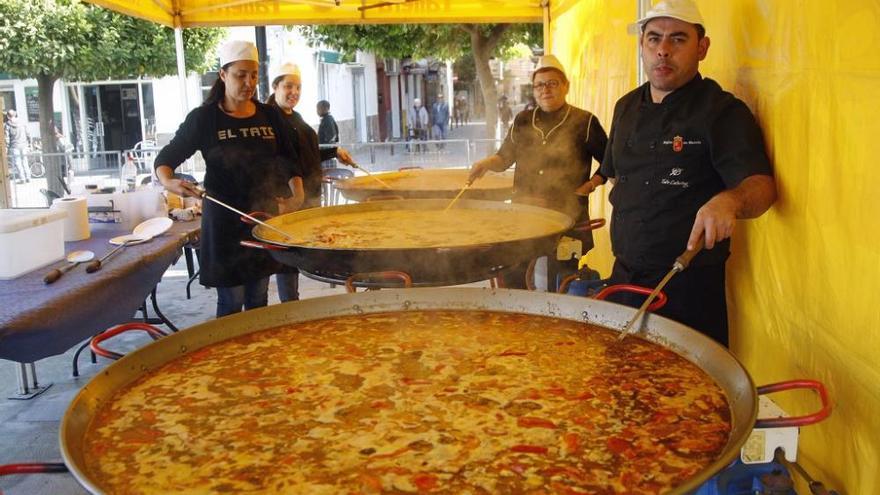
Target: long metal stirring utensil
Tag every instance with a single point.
(249, 217)
(680, 264)
(380, 181)
(370, 175)
(463, 189)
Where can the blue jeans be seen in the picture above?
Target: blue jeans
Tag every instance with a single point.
(288, 286)
(19, 162)
(254, 294)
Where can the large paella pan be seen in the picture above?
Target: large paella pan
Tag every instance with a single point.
(426, 390)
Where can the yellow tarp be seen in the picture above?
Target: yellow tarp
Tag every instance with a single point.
(802, 279)
(192, 13)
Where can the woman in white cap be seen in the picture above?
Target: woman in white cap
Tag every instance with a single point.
(251, 164)
(287, 87)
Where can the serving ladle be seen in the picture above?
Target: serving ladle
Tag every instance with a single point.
(74, 258)
(680, 264)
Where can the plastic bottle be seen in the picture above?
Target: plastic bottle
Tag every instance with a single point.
(128, 174)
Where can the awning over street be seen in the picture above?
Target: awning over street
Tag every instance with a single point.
(191, 13)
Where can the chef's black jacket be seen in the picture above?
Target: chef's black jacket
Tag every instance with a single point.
(669, 159)
(551, 161)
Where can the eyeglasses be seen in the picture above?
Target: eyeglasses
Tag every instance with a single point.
(551, 84)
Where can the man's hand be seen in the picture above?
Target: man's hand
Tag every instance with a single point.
(715, 221)
(182, 188)
(343, 156)
(479, 169)
(289, 204)
(717, 218)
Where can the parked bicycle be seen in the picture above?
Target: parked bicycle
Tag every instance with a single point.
(35, 159)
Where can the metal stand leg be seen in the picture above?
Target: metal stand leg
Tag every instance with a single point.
(190, 268)
(189, 283)
(162, 317)
(76, 357)
(28, 390)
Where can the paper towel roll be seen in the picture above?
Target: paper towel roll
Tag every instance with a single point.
(76, 225)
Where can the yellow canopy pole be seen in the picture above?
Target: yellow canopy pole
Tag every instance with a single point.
(548, 33)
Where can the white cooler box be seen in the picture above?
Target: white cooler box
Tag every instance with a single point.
(30, 239)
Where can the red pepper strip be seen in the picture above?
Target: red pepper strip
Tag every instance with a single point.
(425, 482)
(529, 449)
(557, 391)
(583, 396)
(617, 445)
(533, 422)
(572, 442)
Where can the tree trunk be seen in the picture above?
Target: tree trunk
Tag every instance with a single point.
(47, 134)
(483, 46)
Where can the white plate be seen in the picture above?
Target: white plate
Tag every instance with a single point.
(152, 227)
(131, 239)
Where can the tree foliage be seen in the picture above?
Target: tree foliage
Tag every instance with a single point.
(443, 41)
(76, 41)
(49, 40)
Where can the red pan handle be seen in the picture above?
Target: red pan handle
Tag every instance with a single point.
(33, 467)
(112, 332)
(259, 215)
(389, 275)
(563, 286)
(612, 289)
(262, 245)
(593, 224)
(808, 419)
(530, 274)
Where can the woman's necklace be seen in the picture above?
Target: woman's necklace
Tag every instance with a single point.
(545, 137)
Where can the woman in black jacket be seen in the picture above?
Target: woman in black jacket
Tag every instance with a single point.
(286, 87)
(251, 164)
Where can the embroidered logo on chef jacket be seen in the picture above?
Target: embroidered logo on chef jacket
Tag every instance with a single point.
(263, 131)
(678, 143)
(675, 172)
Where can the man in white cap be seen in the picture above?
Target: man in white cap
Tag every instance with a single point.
(687, 160)
(553, 147)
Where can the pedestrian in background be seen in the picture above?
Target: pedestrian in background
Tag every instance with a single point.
(440, 119)
(505, 114)
(328, 131)
(17, 146)
(418, 123)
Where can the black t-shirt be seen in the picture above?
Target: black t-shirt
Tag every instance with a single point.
(245, 166)
(248, 162)
(669, 159)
